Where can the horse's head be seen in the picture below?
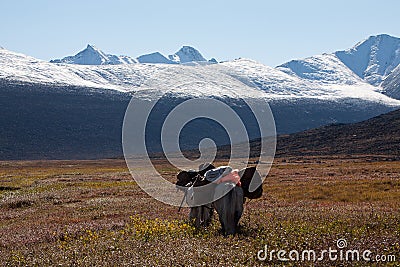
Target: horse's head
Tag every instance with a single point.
(186, 178)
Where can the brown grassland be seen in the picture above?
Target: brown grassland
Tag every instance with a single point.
(91, 213)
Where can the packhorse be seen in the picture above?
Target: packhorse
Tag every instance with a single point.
(231, 188)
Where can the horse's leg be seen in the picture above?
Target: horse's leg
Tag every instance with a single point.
(201, 216)
(238, 199)
(194, 216)
(206, 214)
(230, 209)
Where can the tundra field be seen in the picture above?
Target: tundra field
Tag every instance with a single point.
(92, 213)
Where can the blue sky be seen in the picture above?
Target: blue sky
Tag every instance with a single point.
(271, 32)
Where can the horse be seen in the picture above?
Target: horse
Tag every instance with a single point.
(229, 207)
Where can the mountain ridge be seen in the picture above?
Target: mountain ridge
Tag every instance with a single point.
(371, 61)
(57, 111)
(155, 57)
(91, 55)
(380, 54)
(378, 135)
(324, 78)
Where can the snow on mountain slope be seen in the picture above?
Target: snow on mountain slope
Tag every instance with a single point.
(373, 58)
(17, 67)
(155, 57)
(186, 54)
(391, 84)
(326, 68)
(94, 56)
(283, 83)
(224, 79)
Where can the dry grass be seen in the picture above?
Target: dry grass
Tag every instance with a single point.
(88, 213)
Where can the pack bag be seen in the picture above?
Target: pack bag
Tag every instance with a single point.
(217, 173)
(246, 176)
(212, 174)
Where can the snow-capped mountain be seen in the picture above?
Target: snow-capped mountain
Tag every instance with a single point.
(155, 57)
(187, 54)
(284, 83)
(368, 63)
(374, 58)
(76, 111)
(94, 56)
(319, 77)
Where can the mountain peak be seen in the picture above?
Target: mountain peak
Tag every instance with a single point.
(91, 55)
(373, 58)
(92, 47)
(188, 49)
(187, 54)
(93, 50)
(382, 36)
